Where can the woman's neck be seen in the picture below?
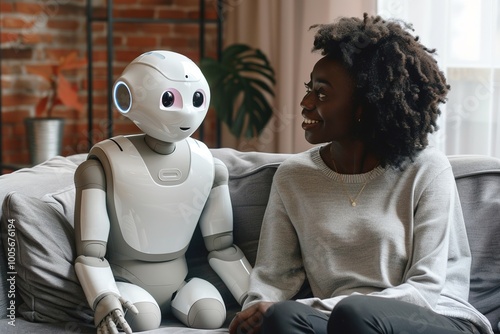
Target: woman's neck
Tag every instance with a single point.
(352, 158)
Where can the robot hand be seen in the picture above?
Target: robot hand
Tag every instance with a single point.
(109, 313)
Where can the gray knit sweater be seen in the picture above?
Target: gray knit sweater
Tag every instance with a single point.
(405, 238)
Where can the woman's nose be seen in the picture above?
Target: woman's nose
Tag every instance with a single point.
(307, 102)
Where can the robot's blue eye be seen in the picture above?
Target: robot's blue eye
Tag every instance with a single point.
(167, 99)
(122, 97)
(198, 99)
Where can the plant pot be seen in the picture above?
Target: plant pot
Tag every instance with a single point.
(45, 137)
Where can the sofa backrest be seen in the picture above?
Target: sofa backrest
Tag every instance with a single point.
(478, 182)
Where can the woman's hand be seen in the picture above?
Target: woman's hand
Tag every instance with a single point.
(249, 320)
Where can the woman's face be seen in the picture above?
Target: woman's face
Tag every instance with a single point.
(329, 109)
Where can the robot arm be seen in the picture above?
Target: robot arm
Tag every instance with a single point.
(216, 224)
(91, 230)
(91, 218)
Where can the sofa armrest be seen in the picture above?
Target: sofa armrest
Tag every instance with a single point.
(478, 183)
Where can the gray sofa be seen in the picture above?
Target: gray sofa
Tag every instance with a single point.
(39, 291)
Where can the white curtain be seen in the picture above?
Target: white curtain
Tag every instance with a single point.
(280, 28)
(466, 34)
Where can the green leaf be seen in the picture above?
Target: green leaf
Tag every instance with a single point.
(241, 84)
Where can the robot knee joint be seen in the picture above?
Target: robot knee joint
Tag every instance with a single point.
(199, 304)
(148, 318)
(207, 313)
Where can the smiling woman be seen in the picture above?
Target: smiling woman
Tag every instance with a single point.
(378, 213)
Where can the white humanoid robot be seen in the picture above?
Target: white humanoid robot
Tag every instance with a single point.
(139, 199)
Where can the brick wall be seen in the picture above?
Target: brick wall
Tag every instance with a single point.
(39, 32)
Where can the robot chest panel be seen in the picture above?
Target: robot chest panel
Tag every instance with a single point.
(159, 219)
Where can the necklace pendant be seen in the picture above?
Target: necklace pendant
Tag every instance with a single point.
(353, 203)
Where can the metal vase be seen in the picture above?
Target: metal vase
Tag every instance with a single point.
(45, 136)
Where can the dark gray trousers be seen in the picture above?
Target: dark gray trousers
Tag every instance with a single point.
(361, 315)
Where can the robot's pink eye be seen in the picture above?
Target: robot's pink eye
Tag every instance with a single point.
(168, 99)
(198, 99)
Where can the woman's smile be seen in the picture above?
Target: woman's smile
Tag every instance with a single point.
(308, 124)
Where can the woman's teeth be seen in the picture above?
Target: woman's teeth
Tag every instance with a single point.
(310, 121)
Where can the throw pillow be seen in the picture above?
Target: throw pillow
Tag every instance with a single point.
(39, 243)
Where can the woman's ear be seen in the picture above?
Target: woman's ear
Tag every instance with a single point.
(358, 121)
(359, 113)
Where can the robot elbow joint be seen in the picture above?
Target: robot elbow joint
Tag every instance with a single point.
(218, 241)
(94, 249)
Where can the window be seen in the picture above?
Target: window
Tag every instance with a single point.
(466, 34)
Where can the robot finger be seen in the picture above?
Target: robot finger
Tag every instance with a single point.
(110, 325)
(122, 322)
(101, 330)
(103, 327)
(129, 306)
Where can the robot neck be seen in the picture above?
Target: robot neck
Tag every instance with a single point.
(159, 146)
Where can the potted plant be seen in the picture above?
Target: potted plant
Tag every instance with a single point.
(241, 83)
(44, 131)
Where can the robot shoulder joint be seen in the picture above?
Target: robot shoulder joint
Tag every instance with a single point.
(90, 174)
(221, 173)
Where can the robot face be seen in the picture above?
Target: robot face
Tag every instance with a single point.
(164, 93)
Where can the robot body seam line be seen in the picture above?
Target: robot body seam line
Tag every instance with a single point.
(114, 141)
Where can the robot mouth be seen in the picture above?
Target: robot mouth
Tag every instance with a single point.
(183, 128)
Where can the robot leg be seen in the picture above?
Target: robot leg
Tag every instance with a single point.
(199, 304)
(149, 316)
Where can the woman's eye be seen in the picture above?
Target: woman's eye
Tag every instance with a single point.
(308, 87)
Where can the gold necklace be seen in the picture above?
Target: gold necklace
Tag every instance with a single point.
(352, 200)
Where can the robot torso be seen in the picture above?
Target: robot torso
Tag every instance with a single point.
(154, 201)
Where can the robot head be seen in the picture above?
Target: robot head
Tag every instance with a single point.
(164, 93)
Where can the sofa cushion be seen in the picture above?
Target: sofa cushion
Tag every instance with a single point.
(42, 180)
(478, 182)
(40, 244)
(250, 178)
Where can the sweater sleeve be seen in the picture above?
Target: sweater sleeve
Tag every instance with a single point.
(278, 273)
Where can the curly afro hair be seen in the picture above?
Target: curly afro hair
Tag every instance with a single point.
(398, 82)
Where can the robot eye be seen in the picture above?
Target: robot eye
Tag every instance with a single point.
(122, 97)
(167, 99)
(198, 99)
